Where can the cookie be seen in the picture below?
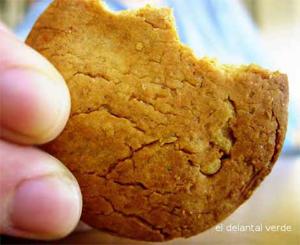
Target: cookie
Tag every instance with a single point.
(163, 144)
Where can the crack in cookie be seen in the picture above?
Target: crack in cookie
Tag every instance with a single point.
(163, 144)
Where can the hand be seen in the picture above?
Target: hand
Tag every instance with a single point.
(39, 197)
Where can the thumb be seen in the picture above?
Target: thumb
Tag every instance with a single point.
(40, 199)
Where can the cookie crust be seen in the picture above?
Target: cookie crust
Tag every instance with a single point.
(163, 144)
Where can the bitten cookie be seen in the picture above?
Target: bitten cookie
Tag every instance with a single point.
(163, 144)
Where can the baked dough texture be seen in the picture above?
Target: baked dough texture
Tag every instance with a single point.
(163, 144)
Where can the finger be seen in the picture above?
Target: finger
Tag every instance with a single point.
(39, 198)
(34, 99)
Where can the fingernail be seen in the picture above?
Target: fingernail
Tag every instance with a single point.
(48, 206)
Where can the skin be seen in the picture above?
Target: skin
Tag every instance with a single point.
(39, 197)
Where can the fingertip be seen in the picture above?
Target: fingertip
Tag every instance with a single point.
(40, 198)
(34, 106)
(34, 98)
(48, 207)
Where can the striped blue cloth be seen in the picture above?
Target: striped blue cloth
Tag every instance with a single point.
(215, 28)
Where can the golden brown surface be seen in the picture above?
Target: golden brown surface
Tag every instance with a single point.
(275, 202)
(163, 144)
